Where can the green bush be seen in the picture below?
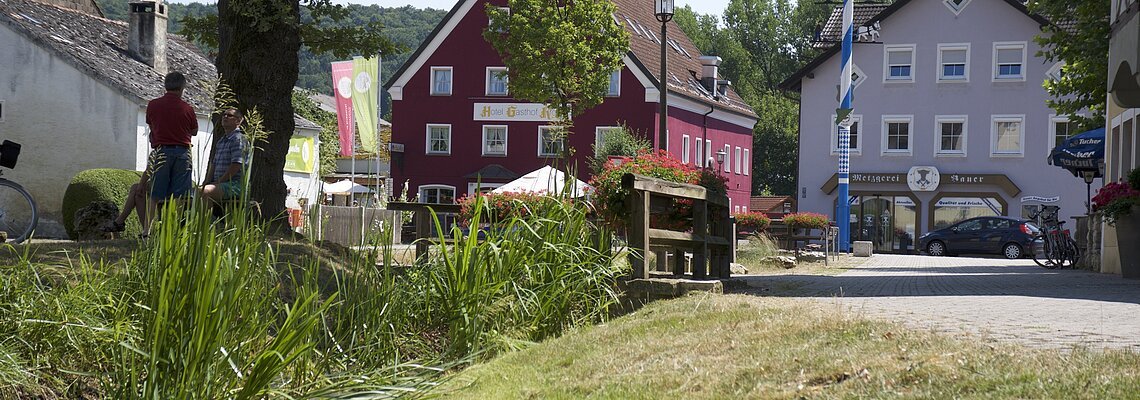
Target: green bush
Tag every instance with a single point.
(807, 220)
(102, 184)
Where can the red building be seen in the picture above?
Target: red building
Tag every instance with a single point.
(457, 124)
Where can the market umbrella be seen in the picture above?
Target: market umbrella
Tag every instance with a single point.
(544, 180)
(1082, 154)
(345, 186)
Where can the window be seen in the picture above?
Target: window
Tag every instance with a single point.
(441, 81)
(1060, 129)
(709, 160)
(853, 143)
(1, 111)
(600, 134)
(738, 164)
(684, 149)
(857, 76)
(1009, 61)
(615, 84)
(439, 139)
(699, 154)
(437, 194)
(496, 81)
(747, 163)
(900, 63)
(504, 10)
(951, 130)
(494, 140)
(481, 187)
(954, 62)
(1007, 135)
(550, 141)
(1056, 72)
(896, 134)
(725, 158)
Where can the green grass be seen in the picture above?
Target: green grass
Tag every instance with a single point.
(732, 346)
(752, 256)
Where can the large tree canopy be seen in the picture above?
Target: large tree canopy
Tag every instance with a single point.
(258, 42)
(1083, 47)
(559, 53)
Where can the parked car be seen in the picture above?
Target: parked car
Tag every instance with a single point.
(1009, 237)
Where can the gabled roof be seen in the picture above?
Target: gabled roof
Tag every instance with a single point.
(636, 16)
(98, 47)
(767, 203)
(866, 15)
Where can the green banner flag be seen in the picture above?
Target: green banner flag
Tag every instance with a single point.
(302, 156)
(365, 82)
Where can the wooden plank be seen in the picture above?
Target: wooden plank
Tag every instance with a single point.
(439, 208)
(678, 261)
(701, 251)
(639, 233)
(662, 187)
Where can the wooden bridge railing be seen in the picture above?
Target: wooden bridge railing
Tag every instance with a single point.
(423, 221)
(711, 239)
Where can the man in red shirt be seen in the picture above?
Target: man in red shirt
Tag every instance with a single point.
(172, 124)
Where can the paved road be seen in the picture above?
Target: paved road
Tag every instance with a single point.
(994, 299)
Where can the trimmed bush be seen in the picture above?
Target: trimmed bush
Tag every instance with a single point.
(101, 184)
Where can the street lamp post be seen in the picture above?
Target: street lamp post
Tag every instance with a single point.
(663, 9)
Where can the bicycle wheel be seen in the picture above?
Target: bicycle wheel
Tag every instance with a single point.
(1073, 251)
(1041, 255)
(18, 214)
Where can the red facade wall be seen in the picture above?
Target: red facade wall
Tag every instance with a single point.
(469, 55)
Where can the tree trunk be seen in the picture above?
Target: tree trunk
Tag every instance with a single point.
(257, 59)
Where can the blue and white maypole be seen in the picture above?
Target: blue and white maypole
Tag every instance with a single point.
(842, 118)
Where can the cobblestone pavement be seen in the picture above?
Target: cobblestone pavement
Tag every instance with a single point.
(990, 299)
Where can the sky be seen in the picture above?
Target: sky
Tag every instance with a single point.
(715, 7)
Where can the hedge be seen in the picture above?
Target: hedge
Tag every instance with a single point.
(99, 184)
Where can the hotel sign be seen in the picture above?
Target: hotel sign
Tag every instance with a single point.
(514, 112)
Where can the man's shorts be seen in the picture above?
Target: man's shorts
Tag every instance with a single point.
(231, 189)
(171, 176)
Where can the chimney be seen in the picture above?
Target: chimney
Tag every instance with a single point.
(147, 42)
(709, 65)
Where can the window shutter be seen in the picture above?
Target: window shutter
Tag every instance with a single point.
(954, 56)
(898, 58)
(1009, 56)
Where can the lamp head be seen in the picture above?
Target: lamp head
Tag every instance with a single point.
(663, 9)
(1088, 176)
(720, 156)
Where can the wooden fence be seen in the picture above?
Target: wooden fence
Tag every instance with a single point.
(425, 235)
(349, 226)
(711, 240)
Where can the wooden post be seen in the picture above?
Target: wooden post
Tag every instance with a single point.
(639, 233)
(723, 227)
(700, 227)
(423, 233)
(678, 261)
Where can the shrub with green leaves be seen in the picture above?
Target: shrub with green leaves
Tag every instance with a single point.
(94, 185)
(621, 142)
(502, 207)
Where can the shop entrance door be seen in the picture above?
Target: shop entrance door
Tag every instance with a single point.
(875, 223)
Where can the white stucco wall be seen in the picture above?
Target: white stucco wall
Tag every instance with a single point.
(65, 121)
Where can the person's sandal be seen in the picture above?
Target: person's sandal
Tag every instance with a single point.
(114, 227)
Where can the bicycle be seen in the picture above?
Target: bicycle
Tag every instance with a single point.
(1055, 248)
(18, 212)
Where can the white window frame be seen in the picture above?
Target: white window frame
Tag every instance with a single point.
(893, 48)
(483, 147)
(1053, 120)
(507, 9)
(450, 82)
(942, 47)
(598, 134)
(833, 136)
(685, 149)
(617, 89)
(1008, 46)
(953, 119)
(994, 120)
(472, 187)
(747, 163)
(427, 148)
(710, 159)
(423, 199)
(1054, 72)
(736, 155)
(487, 82)
(699, 153)
(727, 158)
(1, 110)
(885, 125)
(540, 142)
(859, 77)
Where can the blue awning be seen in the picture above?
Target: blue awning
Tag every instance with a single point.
(1081, 152)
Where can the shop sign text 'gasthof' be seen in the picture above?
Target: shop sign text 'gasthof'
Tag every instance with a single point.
(514, 112)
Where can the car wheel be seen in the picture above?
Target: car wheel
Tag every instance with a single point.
(1012, 251)
(936, 248)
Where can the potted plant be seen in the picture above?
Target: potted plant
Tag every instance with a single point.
(1118, 203)
(752, 222)
(806, 220)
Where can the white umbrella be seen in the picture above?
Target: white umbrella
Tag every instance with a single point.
(345, 186)
(544, 180)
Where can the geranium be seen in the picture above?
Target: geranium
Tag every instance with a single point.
(1116, 199)
(503, 207)
(807, 220)
(753, 221)
(609, 196)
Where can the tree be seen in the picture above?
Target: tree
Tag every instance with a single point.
(258, 42)
(559, 53)
(1083, 47)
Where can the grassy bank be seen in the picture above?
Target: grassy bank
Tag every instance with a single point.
(717, 347)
